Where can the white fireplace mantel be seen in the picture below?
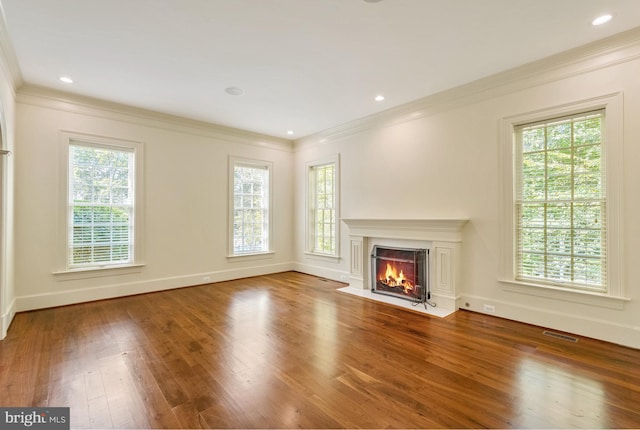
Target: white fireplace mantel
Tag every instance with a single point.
(444, 235)
(449, 230)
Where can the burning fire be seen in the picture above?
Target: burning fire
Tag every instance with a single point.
(394, 279)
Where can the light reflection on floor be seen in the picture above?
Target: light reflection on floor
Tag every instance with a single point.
(549, 391)
(325, 337)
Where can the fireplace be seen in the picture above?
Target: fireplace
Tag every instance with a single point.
(443, 239)
(401, 272)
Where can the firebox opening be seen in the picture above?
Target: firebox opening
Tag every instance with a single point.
(401, 272)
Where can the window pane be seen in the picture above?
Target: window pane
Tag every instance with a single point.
(533, 265)
(559, 135)
(250, 224)
(587, 185)
(559, 187)
(533, 139)
(559, 241)
(100, 190)
(322, 198)
(534, 188)
(533, 239)
(587, 131)
(587, 159)
(558, 215)
(560, 225)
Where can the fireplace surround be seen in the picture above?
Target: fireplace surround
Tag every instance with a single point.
(443, 238)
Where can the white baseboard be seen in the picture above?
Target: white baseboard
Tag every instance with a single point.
(6, 318)
(322, 272)
(444, 301)
(582, 325)
(62, 298)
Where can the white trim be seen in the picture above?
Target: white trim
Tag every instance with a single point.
(8, 58)
(564, 294)
(97, 272)
(613, 147)
(617, 49)
(250, 257)
(72, 103)
(7, 311)
(322, 272)
(584, 324)
(65, 138)
(320, 257)
(6, 319)
(335, 160)
(268, 165)
(449, 230)
(72, 296)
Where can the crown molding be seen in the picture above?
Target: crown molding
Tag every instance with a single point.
(52, 99)
(617, 49)
(8, 59)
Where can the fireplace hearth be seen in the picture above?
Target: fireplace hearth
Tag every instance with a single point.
(401, 272)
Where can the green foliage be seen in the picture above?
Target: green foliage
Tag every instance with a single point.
(561, 209)
(324, 213)
(250, 209)
(100, 192)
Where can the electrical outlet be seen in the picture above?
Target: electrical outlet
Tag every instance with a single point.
(490, 309)
(206, 279)
(344, 278)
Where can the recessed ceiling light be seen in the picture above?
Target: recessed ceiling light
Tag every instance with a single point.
(379, 98)
(234, 91)
(290, 132)
(601, 19)
(66, 79)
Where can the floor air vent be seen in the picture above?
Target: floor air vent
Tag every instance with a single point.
(560, 336)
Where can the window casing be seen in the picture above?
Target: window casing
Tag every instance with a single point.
(612, 292)
(251, 207)
(323, 207)
(102, 214)
(560, 202)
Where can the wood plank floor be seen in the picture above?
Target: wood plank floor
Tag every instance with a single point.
(289, 351)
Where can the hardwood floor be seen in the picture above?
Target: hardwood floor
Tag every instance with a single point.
(288, 350)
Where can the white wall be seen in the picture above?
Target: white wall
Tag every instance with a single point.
(7, 118)
(186, 199)
(439, 158)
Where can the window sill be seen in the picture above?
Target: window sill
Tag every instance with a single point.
(248, 257)
(565, 294)
(97, 272)
(318, 256)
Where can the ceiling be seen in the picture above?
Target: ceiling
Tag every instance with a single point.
(303, 65)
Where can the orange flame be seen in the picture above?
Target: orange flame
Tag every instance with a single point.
(394, 279)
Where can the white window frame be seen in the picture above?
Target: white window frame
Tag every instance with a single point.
(612, 156)
(310, 206)
(261, 164)
(68, 138)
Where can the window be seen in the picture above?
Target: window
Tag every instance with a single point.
(562, 220)
(102, 210)
(250, 182)
(322, 179)
(560, 202)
